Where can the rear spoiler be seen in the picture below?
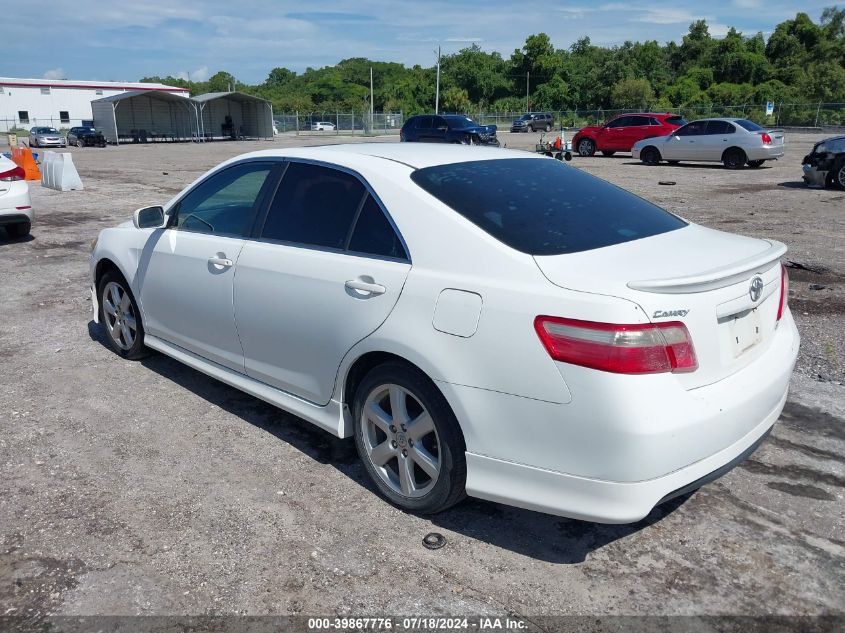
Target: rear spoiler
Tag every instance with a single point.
(715, 277)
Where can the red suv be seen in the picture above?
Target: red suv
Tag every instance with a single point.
(621, 132)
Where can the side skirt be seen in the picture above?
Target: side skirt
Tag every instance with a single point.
(331, 417)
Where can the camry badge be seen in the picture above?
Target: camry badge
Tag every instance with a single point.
(756, 288)
(662, 314)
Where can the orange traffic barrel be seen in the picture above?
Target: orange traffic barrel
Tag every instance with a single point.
(22, 156)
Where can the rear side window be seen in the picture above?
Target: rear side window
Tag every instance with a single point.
(314, 205)
(622, 121)
(749, 125)
(543, 207)
(676, 120)
(720, 127)
(639, 120)
(374, 235)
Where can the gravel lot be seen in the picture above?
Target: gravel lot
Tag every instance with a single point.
(150, 489)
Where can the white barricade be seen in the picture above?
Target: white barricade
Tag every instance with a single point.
(59, 172)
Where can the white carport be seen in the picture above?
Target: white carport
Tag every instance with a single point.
(236, 115)
(146, 115)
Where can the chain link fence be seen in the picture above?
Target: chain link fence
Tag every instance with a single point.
(22, 127)
(784, 114)
(346, 123)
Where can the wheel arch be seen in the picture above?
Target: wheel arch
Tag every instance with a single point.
(648, 147)
(734, 148)
(354, 371)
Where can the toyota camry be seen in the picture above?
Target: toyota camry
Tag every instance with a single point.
(483, 322)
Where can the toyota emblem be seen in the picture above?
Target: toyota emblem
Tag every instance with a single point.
(756, 288)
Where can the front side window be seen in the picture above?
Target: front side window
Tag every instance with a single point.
(542, 207)
(622, 121)
(314, 206)
(639, 121)
(695, 128)
(225, 203)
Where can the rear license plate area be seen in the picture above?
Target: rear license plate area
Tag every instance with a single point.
(745, 330)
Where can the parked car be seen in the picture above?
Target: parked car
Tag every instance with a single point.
(621, 132)
(825, 165)
(15, 205)
(733, 142)
(322, 126)
(85, 137)
(569, 348)
(447, 128)
(534, 121)
(46, 137)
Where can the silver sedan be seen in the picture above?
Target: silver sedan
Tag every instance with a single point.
(733, 142)
(46, 137)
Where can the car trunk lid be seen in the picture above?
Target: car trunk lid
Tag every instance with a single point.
(695, 275)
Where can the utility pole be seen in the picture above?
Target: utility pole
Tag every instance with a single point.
(437, 92)
(527, 79)
(371, 98)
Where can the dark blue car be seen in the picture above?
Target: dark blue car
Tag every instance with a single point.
(448, 128)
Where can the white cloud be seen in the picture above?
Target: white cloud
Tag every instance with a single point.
(55, 73)
(200, 74)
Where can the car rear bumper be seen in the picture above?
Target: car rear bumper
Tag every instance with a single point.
(612, 456)
(15, 203)
(770, 152)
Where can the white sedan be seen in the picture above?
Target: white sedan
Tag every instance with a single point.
(732, 142)
(16, 214)
(569, 348)
(322, 126)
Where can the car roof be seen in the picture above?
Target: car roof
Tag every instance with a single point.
(412, 155)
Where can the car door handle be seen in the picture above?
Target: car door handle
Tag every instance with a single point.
(220, 260)
(365, 286)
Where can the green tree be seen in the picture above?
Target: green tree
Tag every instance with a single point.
(632, 93)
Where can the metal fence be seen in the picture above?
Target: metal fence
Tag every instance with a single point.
(787, 114)
(346, 123)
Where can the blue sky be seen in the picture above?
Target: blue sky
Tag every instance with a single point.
(111, 40)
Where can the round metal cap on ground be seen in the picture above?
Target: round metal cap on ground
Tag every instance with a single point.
(434, 540)
(666, 182)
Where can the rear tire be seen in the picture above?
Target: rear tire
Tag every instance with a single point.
(120, 318)
(548, 127)
(586, 147)
(650, 156)
(422, 470)
(734, 158)
(19, 230)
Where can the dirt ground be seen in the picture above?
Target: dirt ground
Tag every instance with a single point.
(150, 489)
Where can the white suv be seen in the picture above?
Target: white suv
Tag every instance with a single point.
(15, 206)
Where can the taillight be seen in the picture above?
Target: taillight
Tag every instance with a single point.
(621, 349)
(16, 173)
(784, 290)
(767, 140)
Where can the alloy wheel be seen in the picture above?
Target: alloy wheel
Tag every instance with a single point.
(840, 176)
(119, 316)
(400, 440)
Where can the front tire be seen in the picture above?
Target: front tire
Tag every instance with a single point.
(650, 156)
(120, 317)
(409, 440)
(586, 147)
(80, 143)
(548, 127)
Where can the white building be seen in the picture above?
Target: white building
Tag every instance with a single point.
(60, 103)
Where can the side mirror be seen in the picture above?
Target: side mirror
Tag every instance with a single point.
(148, 218)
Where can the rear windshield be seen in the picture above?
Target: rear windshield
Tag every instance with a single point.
(676, 120)
(543, 207)
(749, 125)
